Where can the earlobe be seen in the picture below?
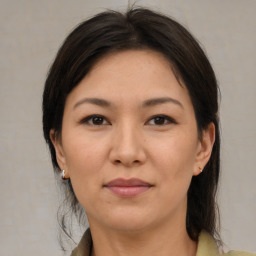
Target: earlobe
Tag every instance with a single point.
(58, 150)
(204, 149)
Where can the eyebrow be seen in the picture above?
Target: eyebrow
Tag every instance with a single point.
(157, 101)
(95, 101)
(146, 103)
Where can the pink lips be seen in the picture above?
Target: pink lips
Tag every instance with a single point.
(127, 188)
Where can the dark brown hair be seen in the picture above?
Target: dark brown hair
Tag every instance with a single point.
(141, 28)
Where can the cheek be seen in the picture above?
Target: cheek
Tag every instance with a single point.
(85, 163)
(174, 158)
(175, 152)
(85, 160)
(83, 153)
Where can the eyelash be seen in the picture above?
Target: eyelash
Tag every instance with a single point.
(89, 120)
(163, 117)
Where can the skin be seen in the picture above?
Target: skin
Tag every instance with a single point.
(128, 141)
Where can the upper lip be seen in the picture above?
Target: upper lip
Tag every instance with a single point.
(133, 182)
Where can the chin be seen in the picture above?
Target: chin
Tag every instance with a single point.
(129, 221)
(129, 226)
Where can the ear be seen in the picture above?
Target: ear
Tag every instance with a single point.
(204, 150)
(60, 156)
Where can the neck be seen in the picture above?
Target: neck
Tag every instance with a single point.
(161, 241)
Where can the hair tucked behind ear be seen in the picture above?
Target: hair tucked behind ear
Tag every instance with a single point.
(140, 28)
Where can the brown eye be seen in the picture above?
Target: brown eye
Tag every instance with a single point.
(161, 120)
(95, 120)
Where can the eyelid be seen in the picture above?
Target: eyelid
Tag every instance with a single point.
(88, 118)
(168, 118)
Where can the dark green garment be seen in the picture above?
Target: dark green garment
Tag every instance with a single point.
(85, 245)
(206, 247)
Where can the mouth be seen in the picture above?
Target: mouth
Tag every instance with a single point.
(127, 188)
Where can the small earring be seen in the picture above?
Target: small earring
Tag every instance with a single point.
(63, 174)
(200, 169)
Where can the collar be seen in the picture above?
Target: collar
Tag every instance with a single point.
(85, 245)
(206, 245)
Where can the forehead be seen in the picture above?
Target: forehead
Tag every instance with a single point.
(132, 62)
(136, 74)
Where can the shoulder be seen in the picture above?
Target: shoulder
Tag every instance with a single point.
(207, 246)
(238, 253)
(85, 245)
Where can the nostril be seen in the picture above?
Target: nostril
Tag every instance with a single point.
(126, 162)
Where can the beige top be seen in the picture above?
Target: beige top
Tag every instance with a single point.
(206, 246)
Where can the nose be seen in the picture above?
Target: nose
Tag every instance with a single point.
(127, 147)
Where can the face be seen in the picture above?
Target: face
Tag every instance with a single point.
(129, 142)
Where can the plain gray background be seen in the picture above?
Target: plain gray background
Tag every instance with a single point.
(32, 31)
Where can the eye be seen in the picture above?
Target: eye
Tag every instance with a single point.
(161, 120)
(95, 120)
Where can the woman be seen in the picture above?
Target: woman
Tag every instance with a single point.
(130, 114)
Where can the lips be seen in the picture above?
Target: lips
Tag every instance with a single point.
(128, 187)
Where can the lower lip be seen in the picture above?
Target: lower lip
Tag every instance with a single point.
(127, 192)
